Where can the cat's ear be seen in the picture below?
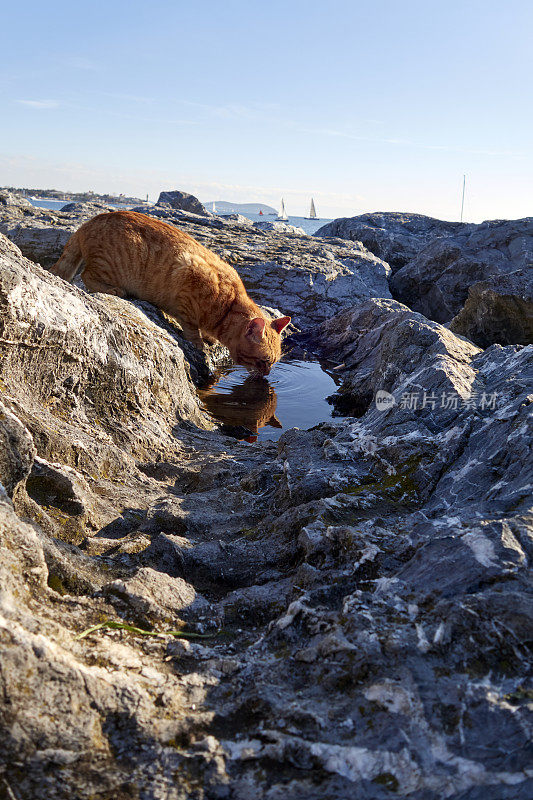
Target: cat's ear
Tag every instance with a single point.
(256, 329)
(274, 422)
(280, 323)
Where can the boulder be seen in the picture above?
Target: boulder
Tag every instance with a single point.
(380, 344)
(10, 199)
(40, 233)
(498, 310)
(234, 217)
(90, 208)
(182, 200)
(37, 239)
(436, 264)
(436, 411)
(436, 281)
(91, 360)
(395, 237)
(280, 227)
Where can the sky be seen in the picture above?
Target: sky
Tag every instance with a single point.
(365, 106)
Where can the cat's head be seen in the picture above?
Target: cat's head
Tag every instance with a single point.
(259, 345)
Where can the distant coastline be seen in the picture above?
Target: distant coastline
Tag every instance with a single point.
(75, 197)
(225, 207)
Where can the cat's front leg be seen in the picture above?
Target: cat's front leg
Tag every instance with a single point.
(208, 339)
(93, 285)
(192, 334)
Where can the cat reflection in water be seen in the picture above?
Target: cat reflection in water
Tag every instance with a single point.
(251, 405)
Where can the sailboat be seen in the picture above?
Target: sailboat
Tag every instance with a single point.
(312, 211)
(214, 209)
(282, 216)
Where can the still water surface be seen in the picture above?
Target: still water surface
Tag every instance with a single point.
(293, 396)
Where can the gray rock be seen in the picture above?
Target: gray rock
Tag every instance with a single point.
(280, 227)
(91, 359)
(38, 241)
(182, 200)
(16, 450)
(364, 586)
(39, 233)
(437, 265)
(436, 281)
(498, 311)
(10, 199)
(237, 218)
(156, 596)
(92, 208)
(395, 237)
(380, 344)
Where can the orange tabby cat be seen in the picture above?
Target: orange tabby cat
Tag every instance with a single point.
(129, 254)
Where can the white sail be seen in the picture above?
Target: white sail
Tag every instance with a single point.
(214, 208)
(312, 212)
(282, 213)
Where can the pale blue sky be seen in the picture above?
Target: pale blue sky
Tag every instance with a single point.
(364, 105)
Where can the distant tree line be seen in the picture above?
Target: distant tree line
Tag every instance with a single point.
(55, 194)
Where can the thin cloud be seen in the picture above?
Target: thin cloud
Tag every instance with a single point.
(39, 104)
(344, 134)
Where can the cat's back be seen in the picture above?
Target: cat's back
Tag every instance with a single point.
(130, 227)
(145, 242)
(149, 259)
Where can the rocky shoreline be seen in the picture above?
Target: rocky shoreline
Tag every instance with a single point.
(363, 588)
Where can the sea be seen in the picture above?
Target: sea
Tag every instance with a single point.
(43, 202)
(310, 226)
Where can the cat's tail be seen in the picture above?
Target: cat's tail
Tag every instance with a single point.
(70, 260)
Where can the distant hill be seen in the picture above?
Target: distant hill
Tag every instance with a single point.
(223, 207)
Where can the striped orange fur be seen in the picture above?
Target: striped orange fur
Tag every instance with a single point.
(129, 254)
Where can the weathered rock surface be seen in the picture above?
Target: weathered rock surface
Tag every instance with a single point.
(480, 274)
(392, 236)
(91, 208)
(437, 280)
(498, 310)
(16, 451)
(10, 199)
(365, 586)
(40, 233)
(182, 201)
(280, 227)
